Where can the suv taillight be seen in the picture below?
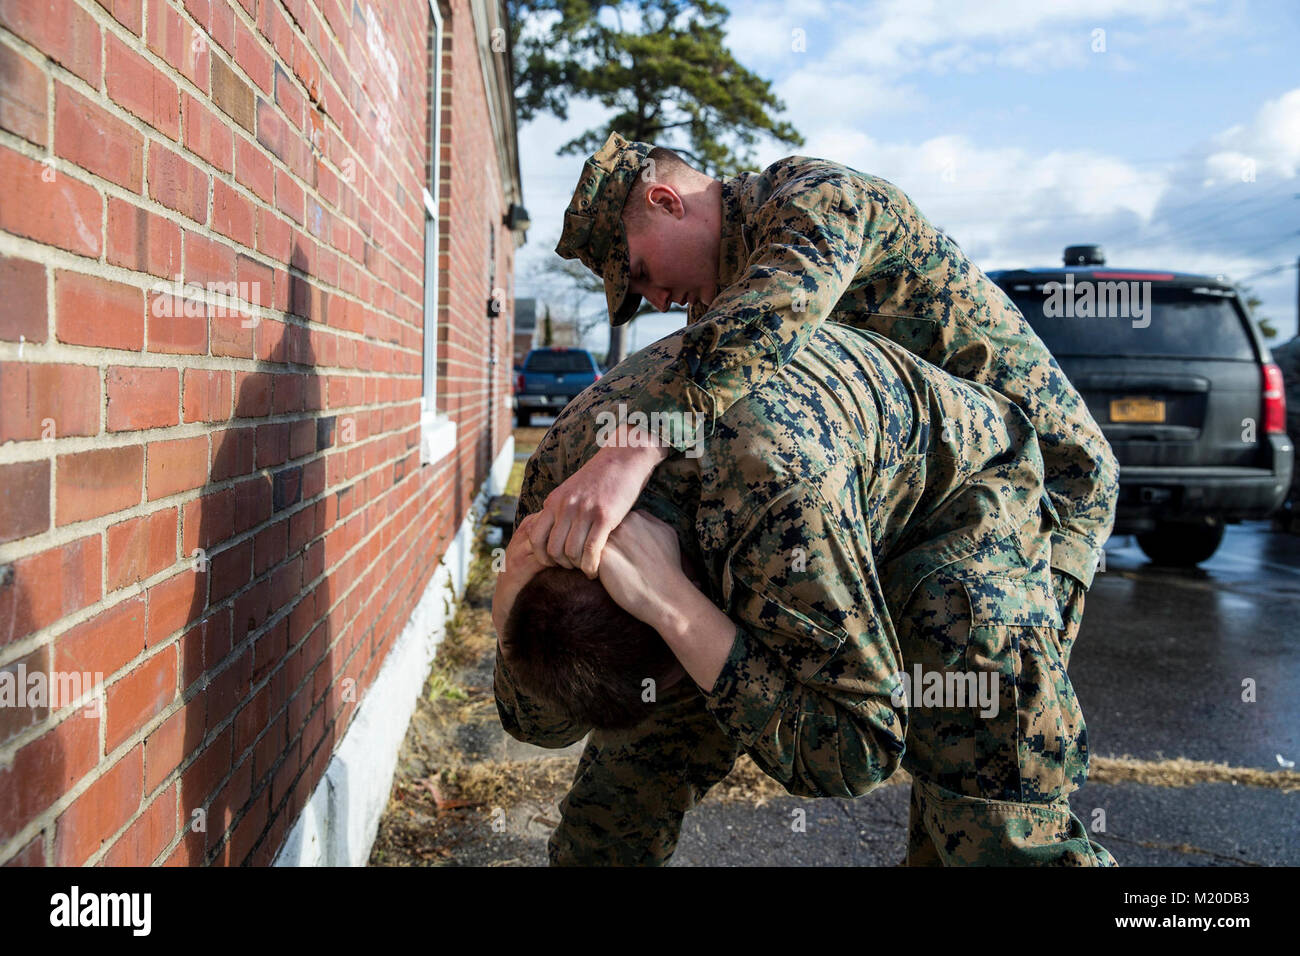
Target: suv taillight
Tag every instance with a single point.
(1274, 401)
(519, 382)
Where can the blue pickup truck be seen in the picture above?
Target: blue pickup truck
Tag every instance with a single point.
(549, 379)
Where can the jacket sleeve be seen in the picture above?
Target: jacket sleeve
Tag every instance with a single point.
(809, 243)
(809, 687)
(523, 718)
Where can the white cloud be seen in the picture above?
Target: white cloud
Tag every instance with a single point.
(1269, 143)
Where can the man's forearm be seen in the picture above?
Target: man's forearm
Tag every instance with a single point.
(699, 635)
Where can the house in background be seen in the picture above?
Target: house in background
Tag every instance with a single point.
(257, 263)
(527, 329)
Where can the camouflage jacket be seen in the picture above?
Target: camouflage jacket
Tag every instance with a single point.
(819, 502)
(807, 241)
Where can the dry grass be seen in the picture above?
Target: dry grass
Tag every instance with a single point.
(1181, 772)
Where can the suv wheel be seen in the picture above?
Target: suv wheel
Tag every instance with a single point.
(1181, 545)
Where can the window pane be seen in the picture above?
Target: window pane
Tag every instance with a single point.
(1182, 324)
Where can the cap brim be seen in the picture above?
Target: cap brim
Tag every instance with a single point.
(621, 302)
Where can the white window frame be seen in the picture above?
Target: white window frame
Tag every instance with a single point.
(437, 430)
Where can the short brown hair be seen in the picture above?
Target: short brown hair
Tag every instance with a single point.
(573, 648)
(669, 168)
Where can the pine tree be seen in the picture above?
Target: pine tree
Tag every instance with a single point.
(666, 72)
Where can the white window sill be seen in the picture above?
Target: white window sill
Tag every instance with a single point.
(437, 437)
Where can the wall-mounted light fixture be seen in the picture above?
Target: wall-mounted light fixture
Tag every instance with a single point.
(517, 218)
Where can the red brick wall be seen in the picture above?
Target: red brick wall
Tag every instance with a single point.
(223, 509)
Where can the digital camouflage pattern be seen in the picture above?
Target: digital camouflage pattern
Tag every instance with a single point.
(808, 241)
(593, 222)
(858, 513)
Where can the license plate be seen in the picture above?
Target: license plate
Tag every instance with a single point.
(1137, 410)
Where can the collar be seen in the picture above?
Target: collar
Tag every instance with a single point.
(735, 246)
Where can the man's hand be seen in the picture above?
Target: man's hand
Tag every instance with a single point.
(578, 516)
(642, 570)
(641, 567)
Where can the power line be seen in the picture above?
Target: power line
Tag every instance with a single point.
(1268, 272)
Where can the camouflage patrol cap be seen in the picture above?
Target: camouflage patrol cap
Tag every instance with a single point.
(593, 223)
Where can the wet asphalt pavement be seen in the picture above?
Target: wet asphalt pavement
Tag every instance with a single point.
(1162, 654)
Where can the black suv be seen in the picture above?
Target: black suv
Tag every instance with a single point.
(1181, 383)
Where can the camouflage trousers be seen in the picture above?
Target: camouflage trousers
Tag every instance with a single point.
(992, 788)
(987, 790)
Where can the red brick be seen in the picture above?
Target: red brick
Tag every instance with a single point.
(206, 133)
(129, 13)
(226, 806)
(32, 855)
(22, 97)
(49, 206)
(142, 241)
(207, 260)
(288, 97)
(141, 88)
(207, 395)
(199, 780)
(222, 26)
(232, 95)
(174, 40)
(24, 499)
(141, 547)
(61, 30)
(252, 719)
(177, 183)
(170, 743)
(288, 196)
(208, 520)
(252, 58)
(15, 720)
(22, 290)
(230, 687)
(134, 699)
(106, 643)
(45, 769)
(148, 836)
(253, 501)
(272, 444)
(31, 394)
(232, 336)
(177, 325)
(93, 483)
(232, 453)
(232, 214)
(255, 281)
(101, 811)
(97, 141)
(174, 603)
(241, 842)
(142, 397)
(254, 171)
(176, 466)
(230, 571)
(93, 311)
(275, 27)
(274, 235)
(253, 394)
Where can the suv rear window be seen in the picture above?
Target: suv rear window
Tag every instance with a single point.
(1184, 323)
(558, 362)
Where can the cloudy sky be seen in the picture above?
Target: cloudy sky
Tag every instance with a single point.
(1168, 131)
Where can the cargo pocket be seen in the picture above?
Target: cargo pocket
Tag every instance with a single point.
(1034, 748)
